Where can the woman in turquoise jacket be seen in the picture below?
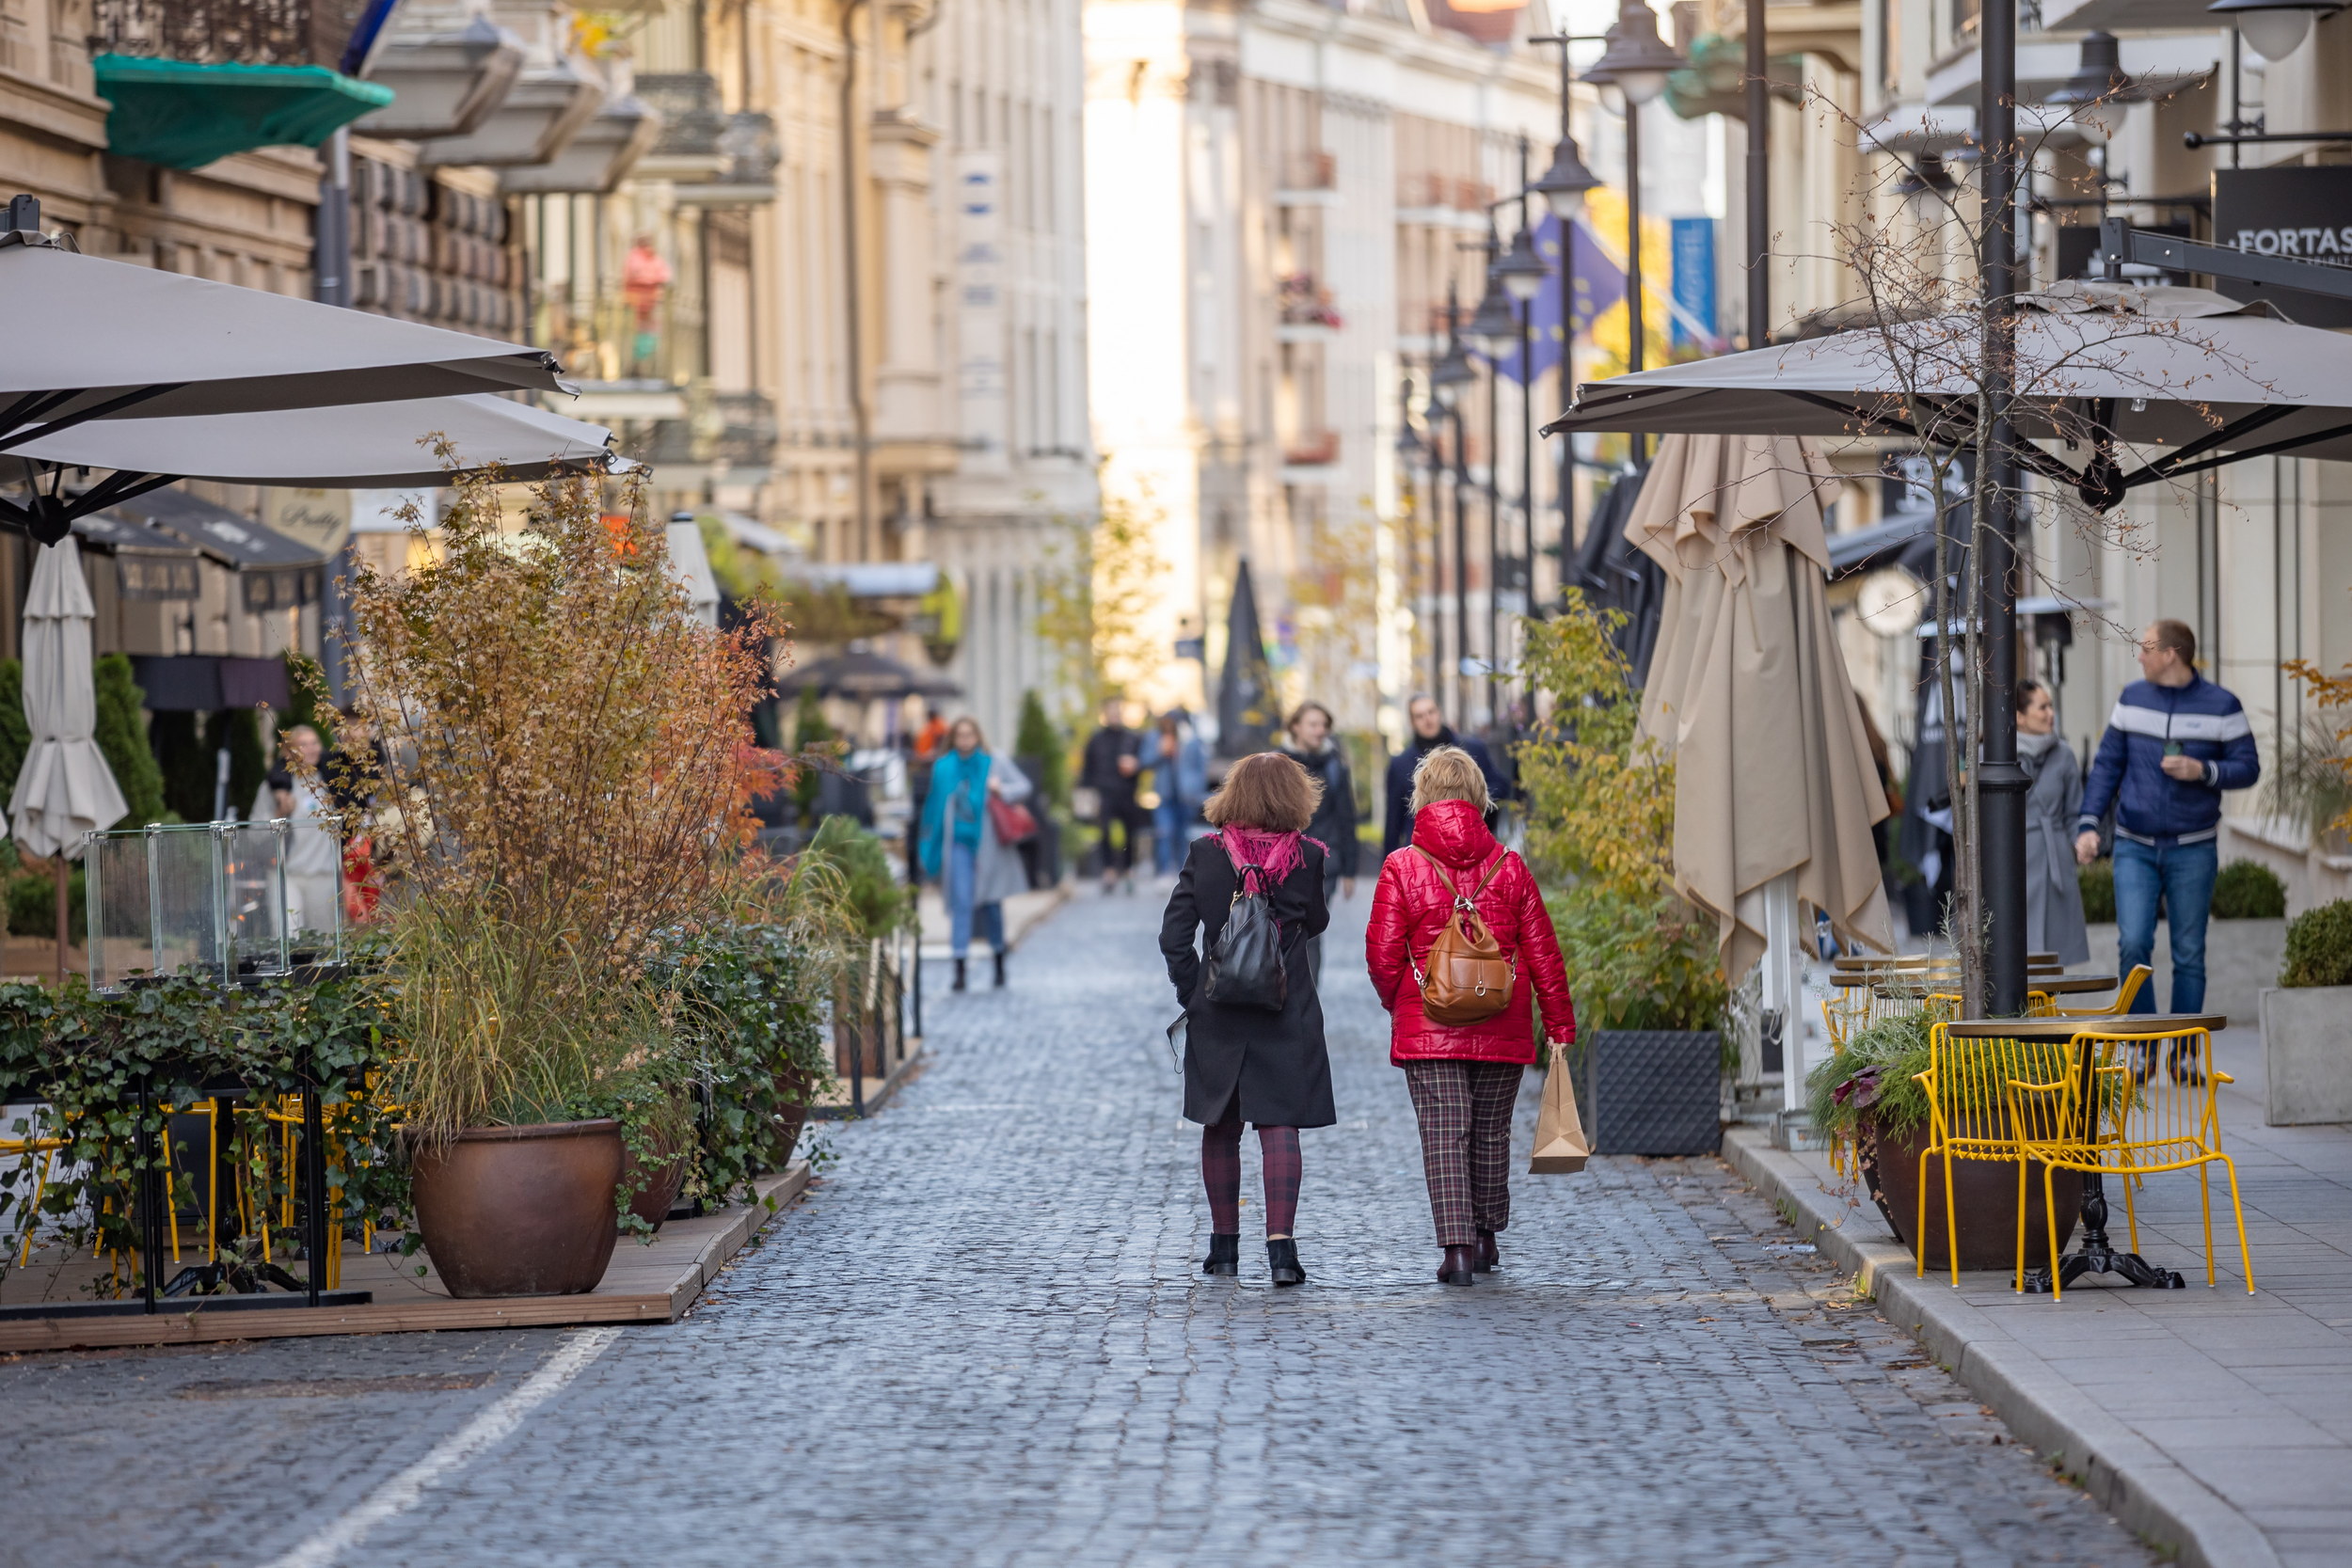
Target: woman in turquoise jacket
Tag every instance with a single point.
(976, 870)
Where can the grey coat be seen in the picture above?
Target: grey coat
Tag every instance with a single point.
(997, 871)
(2054, 896)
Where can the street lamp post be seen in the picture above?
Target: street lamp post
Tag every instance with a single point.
(1409, 447)
(1493, 327)
(1635, 62)
(2001, 783)
(1521, 272)
(1453, 372)
(1759, 106)
(1563, 187)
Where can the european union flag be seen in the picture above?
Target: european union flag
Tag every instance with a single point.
(1595, 283)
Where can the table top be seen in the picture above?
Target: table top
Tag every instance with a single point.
(2067, 1028)
(2049, 985)
(1921, 960)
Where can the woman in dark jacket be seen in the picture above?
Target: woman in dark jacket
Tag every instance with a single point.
(1464, 1078)
(1311, 746)
(1243, 1063)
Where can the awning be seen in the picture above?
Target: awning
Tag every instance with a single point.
(185, 114)
(148, 564)
(1866, 549)
(868, 580)
(864, 674)
(275, 572)
(200, 683)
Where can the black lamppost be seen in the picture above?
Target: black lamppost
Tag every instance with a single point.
(1520, 274)
(1563, 187)
(1410, 451)
(2001, 783)
(1492, 328)
(1635, 62)
(1446, 380)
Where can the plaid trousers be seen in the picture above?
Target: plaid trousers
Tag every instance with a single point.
(1465, 1110)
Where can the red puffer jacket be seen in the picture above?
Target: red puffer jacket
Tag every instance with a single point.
(1411, 906)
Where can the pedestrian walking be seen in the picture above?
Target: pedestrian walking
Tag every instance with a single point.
(1430, 731)
(2053, 892)
(1311, 746)
(1112, 760)
(1245, 1063)
(1464, 1078)
(2174, 742)
(1180, 775)
(961, 848)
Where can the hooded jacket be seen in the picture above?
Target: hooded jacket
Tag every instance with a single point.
(1411, 906)
(2152, 807)
(1397, 830)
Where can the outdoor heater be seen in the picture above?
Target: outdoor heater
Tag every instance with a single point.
(237, 901)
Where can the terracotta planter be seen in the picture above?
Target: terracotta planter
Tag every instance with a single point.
(1984, 1196)
(792, 1116)
(520, 1211)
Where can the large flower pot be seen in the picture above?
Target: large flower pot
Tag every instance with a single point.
(653, 1201)
(792, 1087)
(520, 1211)
(1984, 1196)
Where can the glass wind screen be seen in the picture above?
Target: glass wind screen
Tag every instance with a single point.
(119, 911)
(184, 905)
(253, 905)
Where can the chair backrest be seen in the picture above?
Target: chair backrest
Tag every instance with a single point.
(2129, 990)
(2161, 1099)
(1988, 1091)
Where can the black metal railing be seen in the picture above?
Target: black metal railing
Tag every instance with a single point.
(216, 32)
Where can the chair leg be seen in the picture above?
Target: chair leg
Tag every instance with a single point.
(170, 1184)
(1951, 1218)
(1919, 1235)
(32, 1214)
(2049, 1215)
(2244, 1254)
(2018, 1284)
(2205, 1201)
(2131, 1210)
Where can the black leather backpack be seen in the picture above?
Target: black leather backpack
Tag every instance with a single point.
(1245, 969)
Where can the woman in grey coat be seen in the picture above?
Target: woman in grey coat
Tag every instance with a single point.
(2053, 898)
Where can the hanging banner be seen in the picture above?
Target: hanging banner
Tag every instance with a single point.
(2305, 214)
(982, 402)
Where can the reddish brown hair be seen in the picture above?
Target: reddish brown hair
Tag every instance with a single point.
(1267, 790)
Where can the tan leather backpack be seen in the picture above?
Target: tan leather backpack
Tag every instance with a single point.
(1469, 979)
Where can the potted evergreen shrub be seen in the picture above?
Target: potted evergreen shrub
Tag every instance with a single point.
(2307, 1021)
(563, 768)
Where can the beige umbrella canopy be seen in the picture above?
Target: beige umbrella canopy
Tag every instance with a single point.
(1772, 774)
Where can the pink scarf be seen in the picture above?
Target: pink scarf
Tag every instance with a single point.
(1279, 854)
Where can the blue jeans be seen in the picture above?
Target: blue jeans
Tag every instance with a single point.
(1168, 821)
(962, 860)
(2183, 874)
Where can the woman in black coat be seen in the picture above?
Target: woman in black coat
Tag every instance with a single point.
(1246, 1063)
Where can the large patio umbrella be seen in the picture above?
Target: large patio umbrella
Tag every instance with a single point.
(1245, 693)
(1774, 789)
(2182, 376)
(65, 788)
(89, 338)
(863, 674)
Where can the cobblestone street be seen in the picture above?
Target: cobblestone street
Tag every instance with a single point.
(982, 1340)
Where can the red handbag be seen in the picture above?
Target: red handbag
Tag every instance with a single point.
(1013, 821)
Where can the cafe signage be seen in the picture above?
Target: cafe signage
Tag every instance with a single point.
(2300, 213)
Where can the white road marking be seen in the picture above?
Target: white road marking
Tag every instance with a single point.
(405, 1490)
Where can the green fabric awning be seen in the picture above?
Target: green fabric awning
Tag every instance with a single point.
(183, 115)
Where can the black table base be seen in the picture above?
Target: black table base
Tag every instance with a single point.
(2096, 1256)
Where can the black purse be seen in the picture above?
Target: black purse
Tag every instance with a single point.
(1245, 968)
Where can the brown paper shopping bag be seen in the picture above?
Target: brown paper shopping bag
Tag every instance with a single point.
(1560, 1148)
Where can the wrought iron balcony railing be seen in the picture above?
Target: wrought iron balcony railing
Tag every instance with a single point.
(223, 32)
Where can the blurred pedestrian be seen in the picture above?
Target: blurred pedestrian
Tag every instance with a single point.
(931, 739)
(1179, 774)
(1430, 731)
(1464, 1078)
(1314, 748)
(2054, 891)
(976, 869)
(1113, 758)
(1247, 1064)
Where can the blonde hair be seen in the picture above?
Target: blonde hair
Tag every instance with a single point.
(1267, 790)
(1450, 773)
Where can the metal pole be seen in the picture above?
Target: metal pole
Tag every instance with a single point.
(1410, 546)
(1527, 423)
(1434, 591)
(1634, 248)
(1759, 182)
(314, 1237)
(2001, 783)
(1494, 520)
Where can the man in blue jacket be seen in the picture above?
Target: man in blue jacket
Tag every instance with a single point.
(2174, 742)
(1430, 731)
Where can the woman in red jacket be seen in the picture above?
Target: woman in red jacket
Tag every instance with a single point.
(1464, 1078)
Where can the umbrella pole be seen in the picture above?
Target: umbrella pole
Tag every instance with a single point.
(64, 870)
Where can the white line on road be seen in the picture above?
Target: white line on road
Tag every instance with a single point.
(405, 1490)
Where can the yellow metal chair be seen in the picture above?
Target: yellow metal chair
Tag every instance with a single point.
(2124, 995)
(2137, 1128)
(26, 1149)
(1971, 1086)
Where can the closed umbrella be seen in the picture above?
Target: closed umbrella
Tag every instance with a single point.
(1774, 789)
(65, 788)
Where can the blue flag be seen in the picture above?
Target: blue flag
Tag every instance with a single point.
(1595, 283)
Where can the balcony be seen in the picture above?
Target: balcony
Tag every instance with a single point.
(448, 72)
(712, 158)
(1305, 313)
(194, 81)
(730, 436)
(1443, 201)
(1309, 179)
(1309, 456)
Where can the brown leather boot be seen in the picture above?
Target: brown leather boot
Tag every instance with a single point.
(1460, 1266)
(1490, 1256)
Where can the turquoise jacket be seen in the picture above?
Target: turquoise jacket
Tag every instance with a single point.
(960, 781)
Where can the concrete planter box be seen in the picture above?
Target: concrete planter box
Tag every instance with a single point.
(2307, 1049)
(2241, 957)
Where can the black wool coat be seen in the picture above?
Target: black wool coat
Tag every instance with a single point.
(1267, 1068)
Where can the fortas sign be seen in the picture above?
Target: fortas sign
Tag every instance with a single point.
(2302, 213)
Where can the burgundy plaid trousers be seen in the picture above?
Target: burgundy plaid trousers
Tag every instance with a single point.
(1465, 1110)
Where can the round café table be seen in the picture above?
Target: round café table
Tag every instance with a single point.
(2052, 985)
(2095, 1256)
(1920, 960)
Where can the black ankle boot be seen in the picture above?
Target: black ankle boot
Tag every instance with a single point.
(1000, 969)
(1281, 1256)
(958, 985)
(1460, 1266)
(1490, 1256)
(1224, 1255)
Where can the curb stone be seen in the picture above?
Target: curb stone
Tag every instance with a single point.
(2129, 1476)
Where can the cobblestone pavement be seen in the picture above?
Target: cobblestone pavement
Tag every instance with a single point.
(981, 1340)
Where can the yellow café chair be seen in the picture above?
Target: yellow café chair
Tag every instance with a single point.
(2137, 1128)
(2124, 995)
(1969, 1088)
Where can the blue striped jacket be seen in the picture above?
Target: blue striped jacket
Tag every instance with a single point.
(2152, 806)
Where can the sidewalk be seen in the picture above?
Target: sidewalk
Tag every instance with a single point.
(1021, 911)
(2213, 1421)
